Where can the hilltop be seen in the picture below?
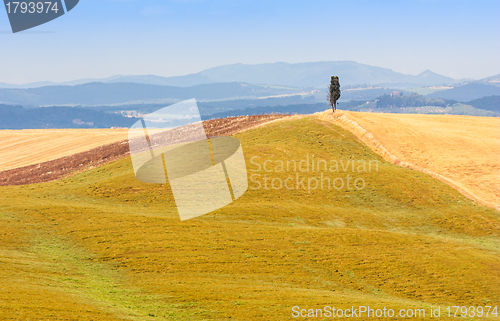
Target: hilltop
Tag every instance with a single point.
(467, 92)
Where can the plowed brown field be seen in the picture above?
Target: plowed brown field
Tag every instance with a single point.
(32, 146)
(463, 151)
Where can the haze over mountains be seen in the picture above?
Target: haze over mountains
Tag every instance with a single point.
(241, 89)
(467, 92)
(98, 93)
(308, 74)
(313, 74)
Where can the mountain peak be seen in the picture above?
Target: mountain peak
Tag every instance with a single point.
(430, 77)
(427, 73)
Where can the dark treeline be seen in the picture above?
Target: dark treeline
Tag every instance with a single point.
(491, 103)
(410, 100)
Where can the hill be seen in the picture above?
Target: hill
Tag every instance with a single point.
(364, 93)
(17, 117)
(101, 245)
(466, 92)
(409, 100)
(308, 74)
(119, 93)
(459, 150)
(313, 74)
(400, 103)
(493, 80)
(491, 103)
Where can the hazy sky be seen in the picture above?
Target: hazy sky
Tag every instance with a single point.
(101, 38)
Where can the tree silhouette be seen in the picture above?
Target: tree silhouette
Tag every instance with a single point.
(333, 92)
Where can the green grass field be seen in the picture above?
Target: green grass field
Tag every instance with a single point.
(101, 245)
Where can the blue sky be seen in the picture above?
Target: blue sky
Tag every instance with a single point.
(102, 38)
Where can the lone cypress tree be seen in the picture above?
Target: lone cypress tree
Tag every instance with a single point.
(333, 92)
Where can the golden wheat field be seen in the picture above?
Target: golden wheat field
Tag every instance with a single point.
(32, 146)
(462, 151)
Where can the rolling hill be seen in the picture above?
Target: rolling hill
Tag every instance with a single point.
(493, 80)
(459, 150)
(309, 74)
(491, 103)
(467, 92)
(119, 93)
(17, 117)
(102, 245)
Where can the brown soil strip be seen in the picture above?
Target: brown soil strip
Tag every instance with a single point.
(76, 163)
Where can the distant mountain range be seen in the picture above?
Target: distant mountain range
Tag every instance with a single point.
(403, 103)
(493, 80)
(17, 117)
(317, 75)
(223, 96)
(467, 92)
(303, 75)
(240, 81)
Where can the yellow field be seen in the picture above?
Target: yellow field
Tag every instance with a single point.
(32, 146)
(101, 245)
(463, 151)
